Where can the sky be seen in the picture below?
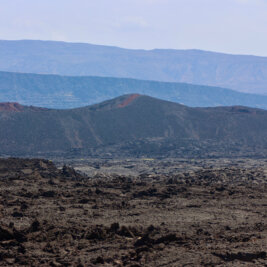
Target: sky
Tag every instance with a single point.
(230, 26)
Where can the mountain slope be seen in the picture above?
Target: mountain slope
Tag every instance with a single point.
(241, 73)
(131, 119)
(55, 91)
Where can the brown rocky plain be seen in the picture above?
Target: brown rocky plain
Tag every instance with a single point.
(202, 217)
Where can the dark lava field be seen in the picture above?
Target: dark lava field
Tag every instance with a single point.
(53, 216)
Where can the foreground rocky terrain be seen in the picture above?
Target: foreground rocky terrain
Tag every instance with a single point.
(58, 217)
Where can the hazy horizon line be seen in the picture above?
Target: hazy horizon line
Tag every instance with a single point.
(136, 49)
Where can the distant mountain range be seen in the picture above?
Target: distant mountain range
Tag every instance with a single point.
(238, 72)
(53, 91)
(137, 124)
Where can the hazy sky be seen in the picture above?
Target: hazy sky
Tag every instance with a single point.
(232, 26)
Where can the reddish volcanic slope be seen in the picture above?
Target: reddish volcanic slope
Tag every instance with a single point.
(128, 100)
(16, 107)
(11, 107)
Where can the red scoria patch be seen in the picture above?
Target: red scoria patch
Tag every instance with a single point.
(11, 107)
(128, 100)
